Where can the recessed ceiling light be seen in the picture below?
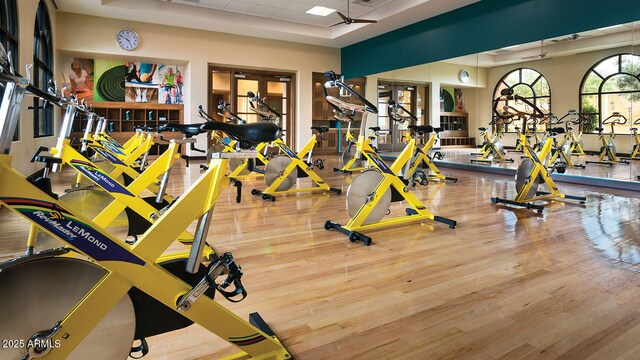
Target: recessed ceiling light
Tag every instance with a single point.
(610, 27)
(510, 47)
(320, 11)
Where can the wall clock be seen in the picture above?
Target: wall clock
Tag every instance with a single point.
(127, 39)
(463, 76)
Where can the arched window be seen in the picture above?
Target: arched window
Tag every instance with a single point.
(42, 70)
(612, 85)
(529, 84)
(9, 35)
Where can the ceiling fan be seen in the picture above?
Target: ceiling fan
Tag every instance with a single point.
(541, 55)
(567, 38)
(349, 20)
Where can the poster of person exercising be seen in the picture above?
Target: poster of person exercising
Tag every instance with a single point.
(171, 84)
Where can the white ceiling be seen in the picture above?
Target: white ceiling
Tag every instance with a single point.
(273, 19)
(592, 40)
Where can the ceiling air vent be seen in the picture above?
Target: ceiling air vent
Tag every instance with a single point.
(368, 2)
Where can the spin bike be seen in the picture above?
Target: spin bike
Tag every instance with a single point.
(282, 171)
(577, 147)
(101, 294)
(561, 151)
(532, 172)
(352, 159)
(492, 149)
(413, 170)
(372, 191)
(608, 148)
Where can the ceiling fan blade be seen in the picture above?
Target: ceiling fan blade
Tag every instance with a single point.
(345, 18)
(340, 23)
(363, 21)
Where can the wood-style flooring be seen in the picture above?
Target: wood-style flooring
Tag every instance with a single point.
(505, 284)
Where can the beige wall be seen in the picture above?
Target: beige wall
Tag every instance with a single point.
(95, 36)
(436, 75)
(564, 75)
(23, 149)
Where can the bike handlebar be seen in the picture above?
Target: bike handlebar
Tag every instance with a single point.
(392, 115)
(333, 81)
(618, 119)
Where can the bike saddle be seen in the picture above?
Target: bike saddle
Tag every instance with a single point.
(254, 133)
(599, 129)
(375, 128)
(632, 129)
(557, 130)
(482, 129)
(421, 129)
(320, 129)
(569, 128)
(187, 129)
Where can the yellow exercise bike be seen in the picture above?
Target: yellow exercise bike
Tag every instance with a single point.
(372, 191)
(533, 171)
(282, 171)
(561, 150)
(351, 159)
(421, 160)
(94, 297)
(608, 148)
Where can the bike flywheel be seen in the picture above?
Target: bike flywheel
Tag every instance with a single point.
(522, 174)
(359, 192)
(275, 168)
(347, 154)
(39, 293)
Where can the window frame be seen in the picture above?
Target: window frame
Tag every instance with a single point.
(42, 67)
(10, 36)
(599, 93)
(530, 85)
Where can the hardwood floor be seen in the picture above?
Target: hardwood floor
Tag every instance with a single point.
(505, 284)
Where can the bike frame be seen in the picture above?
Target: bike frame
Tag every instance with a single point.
(126, 266)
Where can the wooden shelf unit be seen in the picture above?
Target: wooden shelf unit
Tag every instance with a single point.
(123, 117)
(455, 132)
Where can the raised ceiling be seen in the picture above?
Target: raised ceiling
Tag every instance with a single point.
(570, 44)
(273, 19)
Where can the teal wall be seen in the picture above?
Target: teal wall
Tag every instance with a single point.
(482, 26)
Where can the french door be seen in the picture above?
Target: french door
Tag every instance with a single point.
(276, 90)
(390, 131)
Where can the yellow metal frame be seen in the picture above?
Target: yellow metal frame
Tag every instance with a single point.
(576, 148)
(560, 152)
(147, 180)
(523, 140)
(240, 172)
(635, 150)
(541, 170)
(422, 155)
(489, 149)
(297, 162)
(144, 271)
(390, 179)
(351, 140)
(606, 149)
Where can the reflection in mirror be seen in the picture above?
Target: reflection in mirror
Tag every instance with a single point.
(578, 80)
